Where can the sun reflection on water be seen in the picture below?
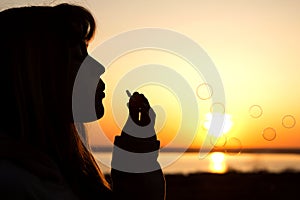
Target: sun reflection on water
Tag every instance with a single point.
(217, 163)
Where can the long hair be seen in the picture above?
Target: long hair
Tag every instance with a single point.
(37, 76)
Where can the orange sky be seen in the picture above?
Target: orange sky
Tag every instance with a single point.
(254, 45)
(255, 48)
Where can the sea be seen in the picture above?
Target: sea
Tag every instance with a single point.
(217, 162)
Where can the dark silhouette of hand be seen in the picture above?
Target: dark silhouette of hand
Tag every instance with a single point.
(141, 119)
(139, 109)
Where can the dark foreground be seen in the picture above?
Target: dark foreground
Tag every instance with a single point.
(233, 186)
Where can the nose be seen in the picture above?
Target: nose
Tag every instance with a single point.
(92, 71)
(94, 66)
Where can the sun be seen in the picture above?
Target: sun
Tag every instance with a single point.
(222, 121)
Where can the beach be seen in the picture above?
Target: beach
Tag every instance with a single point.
(233, 186)
(248, 176)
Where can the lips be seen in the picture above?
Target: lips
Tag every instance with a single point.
(102, 94)
(100, 89)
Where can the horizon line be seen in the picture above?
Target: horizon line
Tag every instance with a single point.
(194, 150)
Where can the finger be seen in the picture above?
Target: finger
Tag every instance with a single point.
(139, 100)
(135, 94)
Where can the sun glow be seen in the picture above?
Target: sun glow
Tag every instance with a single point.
(219, 117)
(258, 66)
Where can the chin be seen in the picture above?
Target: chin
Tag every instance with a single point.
(100, 111)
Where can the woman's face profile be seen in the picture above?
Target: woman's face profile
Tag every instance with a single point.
(79, 55)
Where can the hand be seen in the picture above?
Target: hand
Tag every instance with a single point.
(139, 109)
(141, 119)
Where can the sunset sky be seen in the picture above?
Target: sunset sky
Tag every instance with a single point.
(254, 45)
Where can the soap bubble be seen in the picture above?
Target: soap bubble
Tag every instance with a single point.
(233, 146)
(255, 111)
(217, 108)
(204, 91)
(288, 121)
(269, 133)
(218, 141)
